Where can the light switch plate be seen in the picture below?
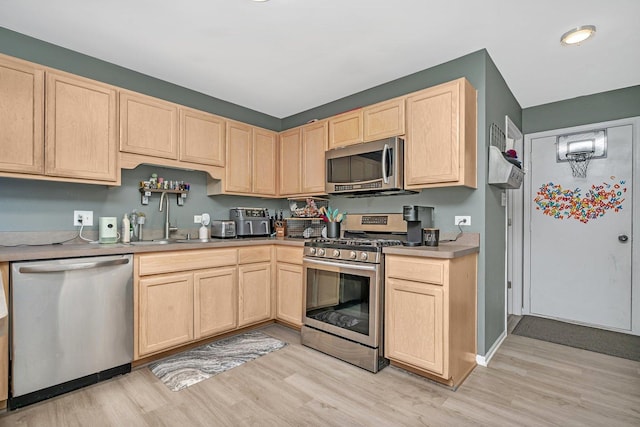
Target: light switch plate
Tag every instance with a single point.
(197, 219)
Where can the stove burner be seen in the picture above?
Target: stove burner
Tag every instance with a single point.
(375, 243)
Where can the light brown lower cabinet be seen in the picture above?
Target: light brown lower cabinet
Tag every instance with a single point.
(289, 276)
(254, 286)
(165, 311)
(190, 302)
(430, 315)
(215, 301)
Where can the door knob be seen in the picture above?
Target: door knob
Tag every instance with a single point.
(623, 238)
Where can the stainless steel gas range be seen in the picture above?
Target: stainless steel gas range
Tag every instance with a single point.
(344, 287)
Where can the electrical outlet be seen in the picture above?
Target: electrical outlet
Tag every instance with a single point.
(197, 219)
(85, 216)
(462, 220)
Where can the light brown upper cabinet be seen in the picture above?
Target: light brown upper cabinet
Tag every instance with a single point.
(264, 162)
(21, 116)
(67, 133)
(302, 168)
(441, 147)
(148, 126)
(346, 129)
(290, 166)
(81, 128)
(373, 122)
(251, 160)
(202, 137)
(384, 119)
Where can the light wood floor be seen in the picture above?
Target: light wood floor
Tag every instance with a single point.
(528, 383)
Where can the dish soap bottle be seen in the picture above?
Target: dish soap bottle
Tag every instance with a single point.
(126, 229)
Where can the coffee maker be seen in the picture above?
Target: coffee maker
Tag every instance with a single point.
(417, 218)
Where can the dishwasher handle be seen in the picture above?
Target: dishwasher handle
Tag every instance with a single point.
(43, 268)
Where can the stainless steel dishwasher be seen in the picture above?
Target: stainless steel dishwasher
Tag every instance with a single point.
(71, 323)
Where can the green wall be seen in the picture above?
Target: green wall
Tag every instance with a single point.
(495, 100)
(500, 103)
(60, 199)
(600, 107)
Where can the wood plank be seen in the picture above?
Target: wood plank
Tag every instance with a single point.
(527, 383)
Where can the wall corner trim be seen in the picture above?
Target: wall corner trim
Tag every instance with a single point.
(484, 360)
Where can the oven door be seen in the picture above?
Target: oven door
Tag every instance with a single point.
(344, 298)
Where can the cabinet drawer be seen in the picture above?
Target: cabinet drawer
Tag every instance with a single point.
(289, 254)
(417, 269)
(166, 262)
(254, 254)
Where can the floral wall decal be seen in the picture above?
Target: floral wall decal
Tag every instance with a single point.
(560, 203)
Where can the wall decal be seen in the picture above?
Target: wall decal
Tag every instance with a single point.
(560, 203)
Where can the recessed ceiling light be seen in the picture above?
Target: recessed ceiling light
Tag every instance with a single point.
(578, 35)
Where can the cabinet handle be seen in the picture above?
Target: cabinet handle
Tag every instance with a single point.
(44, 268)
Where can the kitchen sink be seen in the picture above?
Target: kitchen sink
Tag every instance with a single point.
(151, 242)
(165, 242)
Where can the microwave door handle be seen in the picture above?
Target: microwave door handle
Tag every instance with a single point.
(385, 158)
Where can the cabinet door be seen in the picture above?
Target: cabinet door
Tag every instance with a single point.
(81, 121)
(441, 137)
(414, 324)
(215, 301)
(384, 120)
(21, 117)
(238, 165)
(289, 300)
(254, 282)
(165, 312)
(148, 126)
(314, 143)
(202, 137)
(290, 167)
(345, 129)
(264, 162)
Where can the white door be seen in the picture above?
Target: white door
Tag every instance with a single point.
(580, 233)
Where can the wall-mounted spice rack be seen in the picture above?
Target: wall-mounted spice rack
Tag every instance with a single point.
(146, 192)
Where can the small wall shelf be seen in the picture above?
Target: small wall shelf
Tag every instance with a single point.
(503, 173)
(147, 192)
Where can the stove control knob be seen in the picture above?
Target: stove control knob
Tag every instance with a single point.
(336, 253)
(364, 256)
(353, 255)
(312, 251)
(321, 252)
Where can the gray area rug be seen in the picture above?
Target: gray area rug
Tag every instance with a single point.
(592, 339)
(186, 369)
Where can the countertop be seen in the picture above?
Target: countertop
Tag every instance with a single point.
(74, 250)
(464, 246)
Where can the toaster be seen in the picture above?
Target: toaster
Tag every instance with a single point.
(223, 228)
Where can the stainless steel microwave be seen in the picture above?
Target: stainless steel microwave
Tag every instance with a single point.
(370, 168)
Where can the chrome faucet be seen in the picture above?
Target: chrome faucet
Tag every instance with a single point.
(167, 227)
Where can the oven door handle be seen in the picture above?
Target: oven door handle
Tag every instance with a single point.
(363, 267)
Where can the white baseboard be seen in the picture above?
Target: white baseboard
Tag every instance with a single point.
(484, 360)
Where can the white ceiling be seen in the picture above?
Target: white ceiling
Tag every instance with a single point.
(282, 57)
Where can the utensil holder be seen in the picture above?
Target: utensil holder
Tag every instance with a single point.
(333, 230)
